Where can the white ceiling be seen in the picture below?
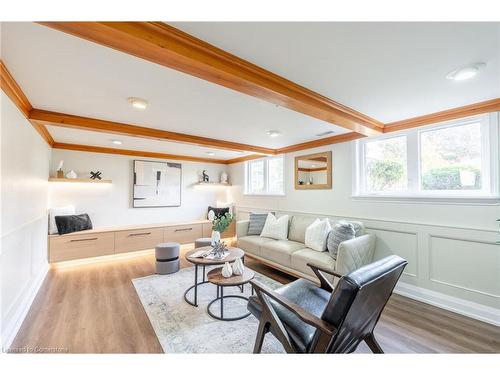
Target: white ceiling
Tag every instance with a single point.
(59, 72)
(389, 71)
(66, 135)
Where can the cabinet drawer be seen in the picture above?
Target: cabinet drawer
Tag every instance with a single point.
(80, 246)
(140, 239)
(182, 233)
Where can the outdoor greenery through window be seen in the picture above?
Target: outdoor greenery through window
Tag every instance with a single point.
(453, 159)
(265, 176)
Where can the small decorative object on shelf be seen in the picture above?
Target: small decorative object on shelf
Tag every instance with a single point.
(218, 250)
(60, 173)
(205, 176)
(227, 271)
(223, 178)
(238, 267)
(95, 175)
(71, 174)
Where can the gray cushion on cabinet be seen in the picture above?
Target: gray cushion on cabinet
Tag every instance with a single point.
(342, 231)
(256, 224)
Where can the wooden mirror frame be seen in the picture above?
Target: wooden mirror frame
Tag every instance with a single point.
(328, 185)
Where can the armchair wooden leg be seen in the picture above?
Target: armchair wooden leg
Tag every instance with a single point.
(261, 333)
(373, 344)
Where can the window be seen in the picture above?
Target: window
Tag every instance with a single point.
(265, 176)
(456, 159)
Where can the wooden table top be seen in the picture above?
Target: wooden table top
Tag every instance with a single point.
(215, 277)
(234, 253)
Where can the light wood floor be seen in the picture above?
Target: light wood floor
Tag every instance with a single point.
(95, 309)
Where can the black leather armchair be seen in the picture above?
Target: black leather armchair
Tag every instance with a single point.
(306, 318)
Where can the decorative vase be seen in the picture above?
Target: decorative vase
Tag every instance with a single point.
(238, 267)
(227, 271)
(60, 174)
(223, 178)
(71, 174)
(215, 237)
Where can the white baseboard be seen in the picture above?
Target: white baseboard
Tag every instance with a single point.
(11, 328)
(460, 306)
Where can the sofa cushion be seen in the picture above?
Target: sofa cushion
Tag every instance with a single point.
(317, 234)
(302, 257)
(256, 223)
(280, 251)
(276, 228)
(252, 244)
(359, 227)
(298, 226)
(342, 231)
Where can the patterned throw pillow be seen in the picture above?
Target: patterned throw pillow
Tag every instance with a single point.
(317, 234)
(342, 231)
(256, 224)
(276, 228)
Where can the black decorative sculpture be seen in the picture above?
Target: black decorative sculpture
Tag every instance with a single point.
(205, 176)
(94, 175)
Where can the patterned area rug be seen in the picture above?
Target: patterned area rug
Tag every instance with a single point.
(182, 328)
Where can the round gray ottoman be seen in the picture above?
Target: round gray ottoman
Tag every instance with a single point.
(202, 242)
(167, 258)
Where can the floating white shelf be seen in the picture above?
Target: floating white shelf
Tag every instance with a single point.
(84, 180)
(214, 183)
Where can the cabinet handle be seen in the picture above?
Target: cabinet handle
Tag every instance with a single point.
(183, 230)
(84, 239)
(139, 234)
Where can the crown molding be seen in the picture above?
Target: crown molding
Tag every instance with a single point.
(449, 114)
(145, 154)
(11, 88)
(165, 45)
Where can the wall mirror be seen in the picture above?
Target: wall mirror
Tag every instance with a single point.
(313, 171)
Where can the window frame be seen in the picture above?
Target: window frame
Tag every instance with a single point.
(489, 165)
(265, 191)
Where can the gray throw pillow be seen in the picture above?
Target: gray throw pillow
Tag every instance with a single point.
(342, 231)
(256, 224)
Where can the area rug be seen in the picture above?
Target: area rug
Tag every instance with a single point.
(182, 328)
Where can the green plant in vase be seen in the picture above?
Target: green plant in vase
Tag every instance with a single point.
(219, 225)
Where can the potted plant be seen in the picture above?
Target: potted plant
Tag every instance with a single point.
(219, 225)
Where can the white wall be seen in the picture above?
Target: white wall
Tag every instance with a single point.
(111, 204)
(25, 159)
(453, 259)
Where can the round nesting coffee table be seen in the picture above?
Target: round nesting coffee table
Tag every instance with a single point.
(234, 253)
(215, 277)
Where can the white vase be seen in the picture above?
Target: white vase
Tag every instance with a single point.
(223, 177)
(238, 267)
(215, 237)
(71, 174)
(227, 271)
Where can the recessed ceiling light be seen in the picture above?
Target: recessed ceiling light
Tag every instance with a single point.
(116, 142)
(466, 72)
(313, 166)
(325, 133)
(210, 153)
(138, 103)
(273, 133)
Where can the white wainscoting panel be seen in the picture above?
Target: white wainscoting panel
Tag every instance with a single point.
(454, 268)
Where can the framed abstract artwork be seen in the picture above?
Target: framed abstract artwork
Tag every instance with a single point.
(157, 184)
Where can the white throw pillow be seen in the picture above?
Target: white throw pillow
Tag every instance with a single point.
(317, 234)
(275, 228)
(58, 211)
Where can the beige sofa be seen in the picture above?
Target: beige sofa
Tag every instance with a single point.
(292, 255)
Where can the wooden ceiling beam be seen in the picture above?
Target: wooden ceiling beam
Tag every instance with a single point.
(346, 137)
(165, 45)
(450, 114)
(103, 126)
(144, 154)
(11, 88)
